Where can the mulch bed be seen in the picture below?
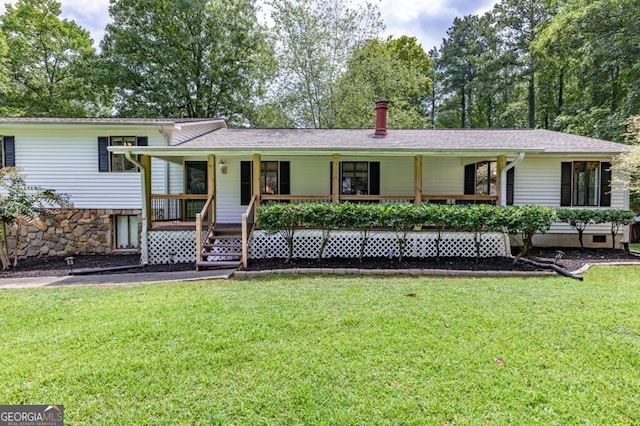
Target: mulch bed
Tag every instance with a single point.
(572, 260)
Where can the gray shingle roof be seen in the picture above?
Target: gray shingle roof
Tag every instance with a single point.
(402, 140)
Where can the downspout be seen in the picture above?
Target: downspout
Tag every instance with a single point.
(503, 178)
(144, 248)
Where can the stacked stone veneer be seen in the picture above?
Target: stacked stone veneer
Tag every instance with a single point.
(68, 232)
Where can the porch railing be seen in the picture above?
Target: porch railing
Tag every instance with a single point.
(203, 217)
(176, 207)
(442, 199)
(248, 222)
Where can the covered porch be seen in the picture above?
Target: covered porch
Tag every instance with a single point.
(179, 226)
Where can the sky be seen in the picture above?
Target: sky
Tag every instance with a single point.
(427, 20)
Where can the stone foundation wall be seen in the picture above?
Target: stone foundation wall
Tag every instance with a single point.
(69, 232)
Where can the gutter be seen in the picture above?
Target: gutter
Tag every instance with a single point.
(503, 178)
(144, 238)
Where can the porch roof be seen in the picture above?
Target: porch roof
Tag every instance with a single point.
(443, 141)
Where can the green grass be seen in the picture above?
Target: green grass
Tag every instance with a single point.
(330, 350)
(634, 247)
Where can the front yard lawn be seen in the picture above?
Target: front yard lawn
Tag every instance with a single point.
(330, 350)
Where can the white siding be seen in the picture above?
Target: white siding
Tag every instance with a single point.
(442, 175)
(537, 181)
(66, 159)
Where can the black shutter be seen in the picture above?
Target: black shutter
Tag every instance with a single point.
(9, 149)
(374, 178)
(103, 154)
(285, 178)
(470, 179)
(245, 182)
(565, 184)
(331, 178)
(511, 174)
(605, 184)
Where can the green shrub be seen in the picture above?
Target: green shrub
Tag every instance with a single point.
(579, 219)
(524, 222)
(617, 218)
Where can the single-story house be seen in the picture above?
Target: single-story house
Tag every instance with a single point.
(157, 185)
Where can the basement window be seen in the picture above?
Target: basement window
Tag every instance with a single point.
(126, 232)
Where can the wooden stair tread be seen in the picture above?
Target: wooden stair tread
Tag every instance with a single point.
(215, 253)
(218, 264)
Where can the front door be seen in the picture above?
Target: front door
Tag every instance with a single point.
(195, 183)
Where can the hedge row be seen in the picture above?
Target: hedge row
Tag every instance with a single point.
(519, 221)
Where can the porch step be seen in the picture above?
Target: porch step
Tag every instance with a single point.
(225, 246)
(206, 254)
(218, 264)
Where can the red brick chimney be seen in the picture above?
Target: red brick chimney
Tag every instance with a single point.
(381, 119)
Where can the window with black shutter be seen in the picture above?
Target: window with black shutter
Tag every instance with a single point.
(275, 179)
(585, 183)
(360, 178)
(111, 162)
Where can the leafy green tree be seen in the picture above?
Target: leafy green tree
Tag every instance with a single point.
(49, 63)
(186, 58)
(459, 60)
(628, 164)
(596, 44)
(519, 22)
(396, 70)
(21, 204)
(314, 41)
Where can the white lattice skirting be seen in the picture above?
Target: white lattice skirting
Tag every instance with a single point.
(341, 244)
(182, 243)
(380, 244)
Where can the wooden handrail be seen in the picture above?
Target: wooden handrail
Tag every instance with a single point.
(268, 197)
(461, 197)
(179, 196)
(199, 219)
(375, 197)
(245, 230)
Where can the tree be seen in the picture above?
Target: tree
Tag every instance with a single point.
(186, 58)
(459, 62)
(314, 41)
(628, 164)
(395, 70)
(21, 204)
(519, 22)
(596, 44)
(48, 63)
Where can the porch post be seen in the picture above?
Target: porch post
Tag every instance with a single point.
(335, 179)
(211, 187)
(256, 178)
(147, 208)
(417, 185)
(501, 163)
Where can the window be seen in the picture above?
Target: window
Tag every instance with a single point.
(269, 177)
(126, 232)
(8, 151)
(110, 162)
(481, 179)
(274, 179)
(359, 177)
(354, 178)
(585, 183)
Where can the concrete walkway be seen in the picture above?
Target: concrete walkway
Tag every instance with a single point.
(116, 279)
